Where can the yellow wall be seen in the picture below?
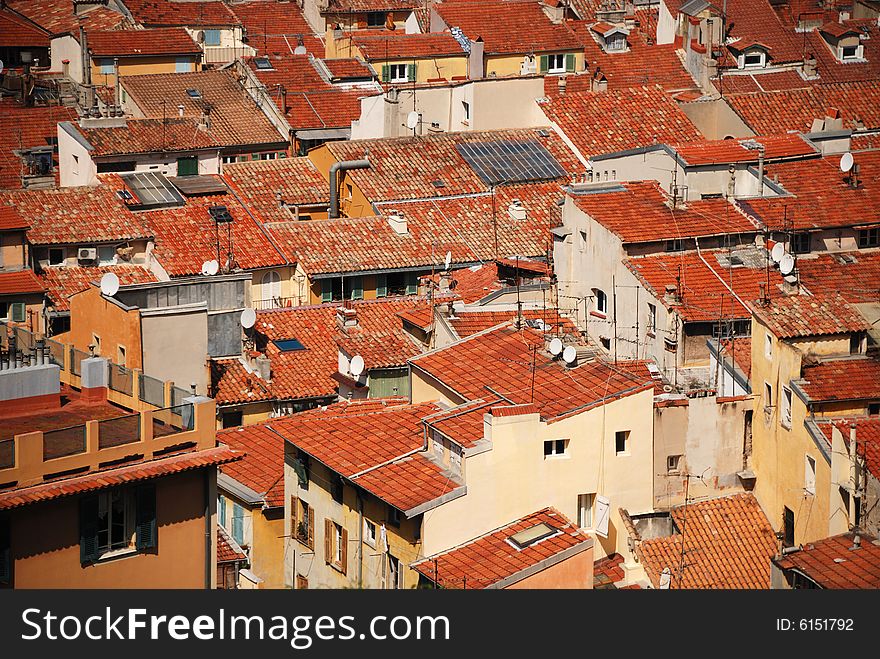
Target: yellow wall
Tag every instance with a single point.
(357, 205)
(12, 250)
(134, 66)
(91, 314)
(430, 68)
(267, 560)
(511, 65)
(358, 21)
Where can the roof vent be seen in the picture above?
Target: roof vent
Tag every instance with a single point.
(397, 221)
(516, 210)
(220, 214)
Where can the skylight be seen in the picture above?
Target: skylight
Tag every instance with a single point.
(220, 214)
(193, 93)
(531, 535)
(263, 63)
(288, 345)
(152, 190)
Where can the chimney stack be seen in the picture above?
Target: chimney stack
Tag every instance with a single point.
(397, 220)
(671, 293)
(346, 316)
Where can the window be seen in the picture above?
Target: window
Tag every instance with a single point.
(106, 255)
(869, 237)
(652, 318)
(302, 583)
(212, 37)
(15, 312)
(376, 19)
(850, 52)
(300, 465)
(673, 462)
(874, 409)
(585, 510)
(600, 301)
(528, 537)
(106, 66)
(188, 166)
(393, 516)
(269, 155)
(555, 448)
(395, 577)
(117, 522)
(336, 489)
(674, 245)
(302, 522)
(397, 73)
(785, 417)
(754, 58)
(556, 63)
(467, 110)
(621, 442)
(182, 65)
(855, 343)
(356, 288)
(809, 475)
(582, 241)
(238, 515)
(787, 527)
(120, 355)
(96, 341)
(331, 289)
(768, 346)
(369, 533)
(800, 243)
(335, 545)
(74, 168)
(232, 419)
(56, 256)
(221, 511)
(768, 396)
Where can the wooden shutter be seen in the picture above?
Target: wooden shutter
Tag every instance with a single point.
(328, 541)
(311, 529)
(381, 285)
(301, 582)
(145, 516)
(221, 510)
(326, 290)
(386, 73)
(569, 62)
(411, 72)
(294, 510)
(603, 508)
(543, 64)
(88, 529)
(344, 552)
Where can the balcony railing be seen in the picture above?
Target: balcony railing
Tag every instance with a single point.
(276, 303)
(226, 54)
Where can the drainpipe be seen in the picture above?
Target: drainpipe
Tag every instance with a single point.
(209, 530)
(761, 172)
(360, 502)
(343, 165)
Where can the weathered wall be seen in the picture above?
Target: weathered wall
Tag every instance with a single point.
(175, 346)
(574, 572)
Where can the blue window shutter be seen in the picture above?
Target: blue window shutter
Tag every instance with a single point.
(106, 66)
(212, 37)
(386, 73)
(412, 283)
(326, 290)
(145, 517)
(88, 529)
(357, 288)
(381, 285)
(238, 523)
(18, 312)
(182, 65)
(543, 64)
(569, 62)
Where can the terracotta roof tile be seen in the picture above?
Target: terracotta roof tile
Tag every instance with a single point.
(192, 13)
(741, 347)
(797, 316)
(60, 17)
(832, 563)
(26, 127)
(140, 136)
(260, 181)
(491, 558)
(228, 550)
(263, 464)
(831, 69)
(17, 31)
(22, 281)
(752, 21)
(841, 379)
(790, 145)
(140, 43)
(62, 282)
(467, 323)
(463, 423)
(750, 83)
(11, 219)
(855, 276)
(867, 438)
(728, 543)
(265, 21)
(407, 46)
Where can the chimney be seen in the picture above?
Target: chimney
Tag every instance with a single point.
(762, 293)
(671, 293)
(346, 316)
(561, 82)
(117, 100)
(180, 110)
(761, 171)
(283, 99)
(264, 368)
(810, 69)
(516, 210)
(397, 220)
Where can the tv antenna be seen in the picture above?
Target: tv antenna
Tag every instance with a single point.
(109, 284)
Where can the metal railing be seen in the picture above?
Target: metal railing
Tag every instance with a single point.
(76, 358)
(121, 379)
(56, 352)
(177, 396)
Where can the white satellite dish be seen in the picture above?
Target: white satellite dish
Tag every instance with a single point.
(357, 366)
(109, 284)
(555, 346)
(569, 355)
(213, 267)
(846, 162)
(299, 50)
(448, 261)
(205, 268)
(248, 318)
(1, 66)
(786, 265)
(412, 120)
(777, 252)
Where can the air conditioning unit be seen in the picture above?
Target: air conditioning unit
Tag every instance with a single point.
(87, 254)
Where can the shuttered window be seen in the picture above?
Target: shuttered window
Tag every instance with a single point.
(117, 521)
(569, 62)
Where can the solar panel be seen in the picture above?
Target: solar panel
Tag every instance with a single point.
(505, 161)
(152, 190)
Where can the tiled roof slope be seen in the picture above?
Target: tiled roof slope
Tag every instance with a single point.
(77, 215)
(262, 467)
(140, 136)
(18, 32)
(467, 323)
(525, 27)
(11, 219)
(463, 424)
(20, 281)
(259, 182)
(841, 379)
(833, 70)
(408, 46)
(796, 316)
(751, 21)
(740, 349)
(26, 127)
(407, 167)
(750, 83)
(191, 13)
(833, 564)
(728, 543)
(59, 16)
(226, 552)
(638, 212)
(62, 282)
(139, 43)
(490, 559)
(867, 438)
(856, 281)
(345, 6)
(713, 152)
(234, 118)
(501, 359)
(274, 27)
(611, 121)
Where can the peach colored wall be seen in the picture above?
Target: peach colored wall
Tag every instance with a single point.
(12, 249)
(92, 314)
(574, 572)
(52, 559)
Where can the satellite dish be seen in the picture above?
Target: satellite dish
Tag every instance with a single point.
(555, 347)
(109, 284)
(357, 366)
(447, 261)
(412, 120)
(569, 355)
(777, 252)
(248, 318)
(846, 162)
(1, 66)
(786, 265)
(205, 268)
(213, 267)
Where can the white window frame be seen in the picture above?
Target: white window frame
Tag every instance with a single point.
(558, 448)
(393, 70)
(858, 55)
(785, 407)
(751, 53)
(652, 318)
(768, 346)
(585, 504)
(556, 58)
(673, 464)
(370, 535)
(626, 444)
(128, 504)
(337, 543)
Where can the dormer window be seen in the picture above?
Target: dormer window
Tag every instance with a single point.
(615, 42)
(753, 59)
(611, 37)
(850, 53)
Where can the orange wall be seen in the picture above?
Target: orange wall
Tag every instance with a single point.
(12, 250)
(574, 572)
(92, 314)
(46, 554)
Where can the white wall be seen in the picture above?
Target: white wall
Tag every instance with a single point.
(666, 25)
(67, 48)
(75, 164)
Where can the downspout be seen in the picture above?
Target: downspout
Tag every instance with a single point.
(360, 502)
(343, 165)
(208, 529)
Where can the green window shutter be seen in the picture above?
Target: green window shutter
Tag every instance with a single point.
(238, 523)
(5, 553)
(381, 285)
(412, 283)
(326, 290)
(569, 62)
(357, 288)
(302, 475)
(542, 64)
(411, 72)
(386, 73)
(88, 529)
(18, 312)
(145, 517)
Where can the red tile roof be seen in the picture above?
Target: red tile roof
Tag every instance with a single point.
(856, 281)
(476, 282)
(492, 560)
(463, 424)
(235, 121)
(607, 571)
(754, 21)
(741, 349)
(74, 411)
(140, 43)
(796, 316)
(841, 380)
(232, 383)
(141, 136)
(62, 282)
(867, 438)
(260, 181)
(831, 69)
(191, 13)
(228, 550)
(347, 68)
(501, 359)
(728, 543)
(407, 167)
(749, 83)
(790, 145)
(22, 281)
(347, 6)
(77, 215)
(59, 16)
(704, 293)
(262, 468)
(17, 31)
(638, 212)
(98, 480)
(525, 27)
(611, 121)
(832, 563)
(467, 323)
(407, 46)
(274, 27)
(26, 127)
(11, 219)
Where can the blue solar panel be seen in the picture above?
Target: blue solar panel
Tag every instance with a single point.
(505, 161)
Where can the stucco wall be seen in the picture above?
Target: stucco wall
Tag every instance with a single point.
(716, 120)
(67, 48)
(91, 314)
(574, 572)
(175, 347)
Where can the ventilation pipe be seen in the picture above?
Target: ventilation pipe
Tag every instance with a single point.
(343, 166)
(761, 172)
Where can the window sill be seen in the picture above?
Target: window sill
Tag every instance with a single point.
(115, 555)
(562, 456)
(337, 567)
(598, 314)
